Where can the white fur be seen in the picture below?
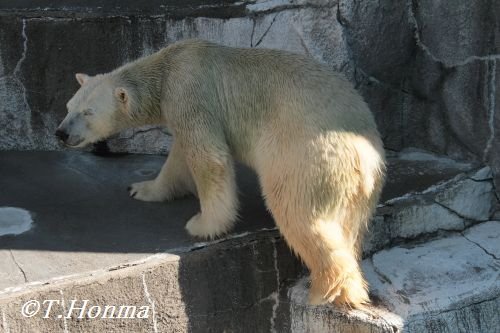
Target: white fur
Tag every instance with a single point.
(306, 132)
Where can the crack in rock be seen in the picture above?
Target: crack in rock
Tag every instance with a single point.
(381, 275)
(18, 266)
(273, 6)
(302, 42)
(463, 218)
(63, 305)
(17, 69)
(491, 107)
(265, 32)
(484, 174)
(425, 48)
(486, 180)
(275, 295)
(338, 15)
(350, 65)
(373, 79)
(479, 245)
(150, 301)
(20, 89)
(5, 324)
(253, 32)
(438, 313)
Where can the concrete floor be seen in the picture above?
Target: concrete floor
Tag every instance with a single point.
(84, 219)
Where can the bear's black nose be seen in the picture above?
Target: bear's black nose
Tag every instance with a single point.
(61, 135)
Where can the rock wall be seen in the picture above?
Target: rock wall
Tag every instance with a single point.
(427, 68)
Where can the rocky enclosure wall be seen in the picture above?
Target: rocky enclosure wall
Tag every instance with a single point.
(427, 68)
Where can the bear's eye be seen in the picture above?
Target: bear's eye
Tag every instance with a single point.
(88, 112)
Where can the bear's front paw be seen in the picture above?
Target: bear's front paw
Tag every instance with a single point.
(146, 191)
(198, 226)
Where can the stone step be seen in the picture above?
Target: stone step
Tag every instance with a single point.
(442, 195)
(89, 241)
(450, 284)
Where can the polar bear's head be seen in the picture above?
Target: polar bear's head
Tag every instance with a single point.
(95, 112)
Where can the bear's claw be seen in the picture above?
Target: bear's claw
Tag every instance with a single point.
(146, 191)
(131, 192)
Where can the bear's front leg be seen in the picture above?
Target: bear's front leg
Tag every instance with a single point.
(213, 172)
(174, 180)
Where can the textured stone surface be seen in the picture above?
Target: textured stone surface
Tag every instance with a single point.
(381, 46)
(88, 222)
(378, 234)
(448, 206)
(482, 174)
(450, 284)
(322, 319)
(469, 198)
(89, 240)
(457, 198)
(455, 78)
(417, 217)
(232, 285)
(486, 235)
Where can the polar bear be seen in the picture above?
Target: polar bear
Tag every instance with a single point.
(306, 132)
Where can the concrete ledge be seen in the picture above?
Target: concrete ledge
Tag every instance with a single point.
(316, 319)
(84, 219)
(451, 284)
(228, 285)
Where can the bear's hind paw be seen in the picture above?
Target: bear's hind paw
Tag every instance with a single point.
(198, 227)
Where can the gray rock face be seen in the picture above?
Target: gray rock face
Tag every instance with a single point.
(455, 78)
(442, 284)
(470, 199)
(420, 217)
(428, 70)
(485, 235)
(454, 202)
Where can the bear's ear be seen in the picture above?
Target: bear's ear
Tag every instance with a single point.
(122, 95)
(82, 78)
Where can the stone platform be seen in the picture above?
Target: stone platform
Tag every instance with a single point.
(90, 241)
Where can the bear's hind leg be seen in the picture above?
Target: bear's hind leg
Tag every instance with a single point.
(213, 172)
(174, 180)
(335, 273)
(337, 277)
(325, 241)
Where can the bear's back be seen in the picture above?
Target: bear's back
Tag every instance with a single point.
(260, 85)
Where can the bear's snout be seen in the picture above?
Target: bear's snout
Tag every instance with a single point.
(62, 135)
